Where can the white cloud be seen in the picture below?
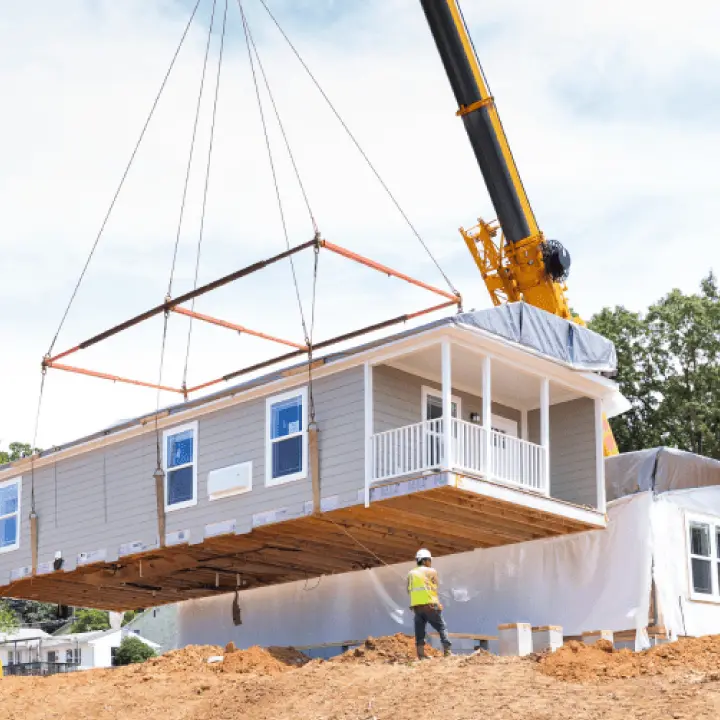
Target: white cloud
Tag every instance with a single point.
(611, 112)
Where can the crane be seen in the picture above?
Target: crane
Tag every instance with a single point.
(517, 262)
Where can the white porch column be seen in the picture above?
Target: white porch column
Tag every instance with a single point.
(545, 428)
(448, 454)
(524, 435)
(599, 457)
(369, 427)
(487, 412)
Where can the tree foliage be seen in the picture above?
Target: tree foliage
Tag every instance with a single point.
(16, 451)
(8, 619)
(133, 650)
(669, 369)
(89, 620)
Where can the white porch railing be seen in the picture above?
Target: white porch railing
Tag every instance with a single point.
(416, 448)
(407, 450)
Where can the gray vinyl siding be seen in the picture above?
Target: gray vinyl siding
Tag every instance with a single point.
(397, 398)
(572, 450)
(106, 497)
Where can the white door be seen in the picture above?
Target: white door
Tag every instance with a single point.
(432, 410)
(502, 459)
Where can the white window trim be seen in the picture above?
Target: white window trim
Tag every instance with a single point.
(167, 434)
(16, 546)
(428, 391)
(270, 481)
(714, 523)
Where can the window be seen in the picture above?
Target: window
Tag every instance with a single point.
(180, 460)
(11, 657)
(704, 558)
(286, 449)
(52, 656)
(10, 514)
(432, 405)
(72, 657)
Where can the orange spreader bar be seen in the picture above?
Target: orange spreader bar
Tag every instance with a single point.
(298, 349)
(386, 270)
(239, 328)
(114, 378)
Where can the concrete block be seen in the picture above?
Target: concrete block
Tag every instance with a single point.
(590, 638)
(515, 639)
(547, 637)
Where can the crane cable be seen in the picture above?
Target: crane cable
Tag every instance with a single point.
(96, 242)
(205, 191)
(125, 175)
(166, 314)
(359, 147)
(253, 54)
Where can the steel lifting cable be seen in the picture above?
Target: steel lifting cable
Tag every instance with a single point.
(166, 314)
(308, 335)
(359, 147)
(205, 191)
(124, 176)
(272, 167)
(192, 148)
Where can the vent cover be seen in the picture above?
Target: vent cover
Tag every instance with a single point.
(229, 481)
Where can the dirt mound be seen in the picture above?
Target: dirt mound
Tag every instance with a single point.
(577, 662)
(258, 660)
(397, 648)
(188, 658)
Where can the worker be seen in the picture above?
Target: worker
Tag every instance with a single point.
(422, 586)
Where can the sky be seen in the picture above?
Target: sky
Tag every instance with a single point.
(612, 111)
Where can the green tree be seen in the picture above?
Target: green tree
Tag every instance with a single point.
(16, 451)
(669, 369)
(133, 650)
(8, 619)
(89, 620)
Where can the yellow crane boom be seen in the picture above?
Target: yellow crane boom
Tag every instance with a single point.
(517, 262)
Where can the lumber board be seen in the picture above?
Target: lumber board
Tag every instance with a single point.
(446, 520)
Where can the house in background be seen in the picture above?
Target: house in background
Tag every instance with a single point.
(32, 652)
(479, 430)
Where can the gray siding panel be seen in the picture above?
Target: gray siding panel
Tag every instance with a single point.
(106, 497)
(397, 398)
(572, 450)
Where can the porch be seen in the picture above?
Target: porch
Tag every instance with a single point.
(458, 407)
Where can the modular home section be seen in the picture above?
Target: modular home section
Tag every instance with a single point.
(303, 473)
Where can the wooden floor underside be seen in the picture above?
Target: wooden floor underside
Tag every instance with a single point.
(446, 520)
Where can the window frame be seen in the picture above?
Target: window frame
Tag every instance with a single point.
(713, 522)
(16, 545)
(270, 481)
(167, 434)
(428, 391)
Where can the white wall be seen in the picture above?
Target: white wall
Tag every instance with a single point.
(569, 581)
(680, 614)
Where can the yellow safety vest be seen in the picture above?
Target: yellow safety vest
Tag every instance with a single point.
(421, 588)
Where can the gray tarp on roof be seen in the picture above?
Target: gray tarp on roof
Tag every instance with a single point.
(659, 469)
(548, 334)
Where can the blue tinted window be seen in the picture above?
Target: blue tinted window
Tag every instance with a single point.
(8, 531)
(180, 449)
(286, 417)
(287, 457)
(180, 485)
(8, 499)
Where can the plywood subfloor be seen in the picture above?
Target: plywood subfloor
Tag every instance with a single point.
(445, 520)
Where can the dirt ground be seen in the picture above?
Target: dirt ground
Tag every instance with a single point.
(380, 681)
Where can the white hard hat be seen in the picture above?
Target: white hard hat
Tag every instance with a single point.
(423, 554)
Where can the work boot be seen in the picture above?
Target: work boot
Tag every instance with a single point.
(447, 650)
(421, 652)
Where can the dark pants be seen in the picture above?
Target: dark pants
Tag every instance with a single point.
(432, 614)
